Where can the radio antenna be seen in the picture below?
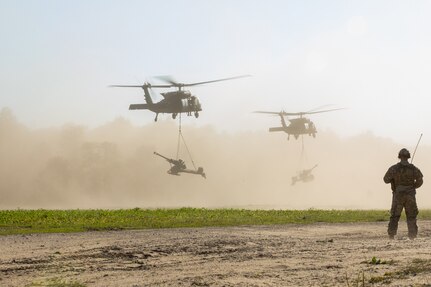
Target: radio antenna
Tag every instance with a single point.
(416, 148)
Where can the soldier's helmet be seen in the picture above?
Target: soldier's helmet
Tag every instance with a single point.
(404, 153)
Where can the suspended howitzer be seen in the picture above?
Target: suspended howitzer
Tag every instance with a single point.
(175, 162)
(178, 166)
(311, 169)
(304, 175)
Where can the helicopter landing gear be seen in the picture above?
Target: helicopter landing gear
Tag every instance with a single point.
(196, 114)
(157, 115)
(174, 115)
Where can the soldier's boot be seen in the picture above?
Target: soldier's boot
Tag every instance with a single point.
(393, 226)
(412, 227)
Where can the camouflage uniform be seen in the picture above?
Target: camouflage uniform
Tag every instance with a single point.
(404, 178)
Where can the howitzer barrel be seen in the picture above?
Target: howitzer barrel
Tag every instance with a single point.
(168, 159)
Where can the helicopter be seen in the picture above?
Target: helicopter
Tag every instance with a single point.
(298, 126)
(174, 102)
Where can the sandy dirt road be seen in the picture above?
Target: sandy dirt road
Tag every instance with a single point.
(285, 255)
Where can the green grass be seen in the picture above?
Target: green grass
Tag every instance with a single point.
(415, 267)
(56, 282)
(46, 221)
(377, 261)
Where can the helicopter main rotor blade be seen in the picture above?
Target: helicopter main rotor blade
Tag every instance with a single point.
(318, 108)
(324, 111)
(292, 114)
(141, 86)
(213, 81)
(269, 113)
(124, 86)
(311, 112)
(170, 80)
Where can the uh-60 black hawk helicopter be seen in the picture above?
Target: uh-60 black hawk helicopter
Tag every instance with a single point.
(298, 126)
(174, 102)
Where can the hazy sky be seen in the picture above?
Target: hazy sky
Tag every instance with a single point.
(373, 57)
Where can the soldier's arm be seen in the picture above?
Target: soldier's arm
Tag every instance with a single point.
(419, 179)
(419, 182)
(389, 175)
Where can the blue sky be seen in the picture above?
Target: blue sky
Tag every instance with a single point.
(373, 57)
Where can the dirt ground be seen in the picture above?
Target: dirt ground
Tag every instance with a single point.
(286, 255)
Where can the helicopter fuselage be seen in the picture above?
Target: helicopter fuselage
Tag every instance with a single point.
(297, 127)
(174, 103)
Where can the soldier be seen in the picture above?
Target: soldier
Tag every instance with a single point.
(404, 178)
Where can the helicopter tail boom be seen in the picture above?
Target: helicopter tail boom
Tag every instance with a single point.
(277, 129)
(139, 107)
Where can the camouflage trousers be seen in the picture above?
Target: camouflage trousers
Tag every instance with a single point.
(405, 200)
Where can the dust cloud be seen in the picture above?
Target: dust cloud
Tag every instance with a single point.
(113, 166)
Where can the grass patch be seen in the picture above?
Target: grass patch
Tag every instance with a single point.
(56, 282)
(51, 221)
(378, 261)
(357, 282)
(386, 279)
(416, 267)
